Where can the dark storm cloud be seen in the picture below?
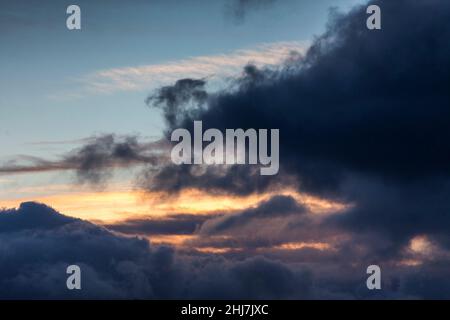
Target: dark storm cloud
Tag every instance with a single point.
(399, 213)
(429, 283)
(357, 100)
(34, 261)
(30, 216)
(363, 118)
(33, 264)
(94, 161)
(34, 258)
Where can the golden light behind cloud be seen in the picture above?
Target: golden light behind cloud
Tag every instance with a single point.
(116, 204)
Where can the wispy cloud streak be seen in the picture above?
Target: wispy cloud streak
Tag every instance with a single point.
(94, 160)
(217, 67)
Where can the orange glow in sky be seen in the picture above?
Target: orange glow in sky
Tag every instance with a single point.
(117, 204)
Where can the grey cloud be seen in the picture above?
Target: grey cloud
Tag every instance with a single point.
(173, 99)
(33, 261)
(94, 161)
(274, 207)
(173, 224)
(30, 216)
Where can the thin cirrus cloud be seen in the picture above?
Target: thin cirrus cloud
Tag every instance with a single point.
(216, 67)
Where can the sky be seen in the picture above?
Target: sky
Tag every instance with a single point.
(85, 172)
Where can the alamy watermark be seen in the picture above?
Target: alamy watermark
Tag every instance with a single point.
(374, 280)
(228, 149)
(74, 280)
(73, 22)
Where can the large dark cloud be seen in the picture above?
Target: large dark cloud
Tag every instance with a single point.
(360, 100)
(30, 216)
(33, 262)
(363, 118)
